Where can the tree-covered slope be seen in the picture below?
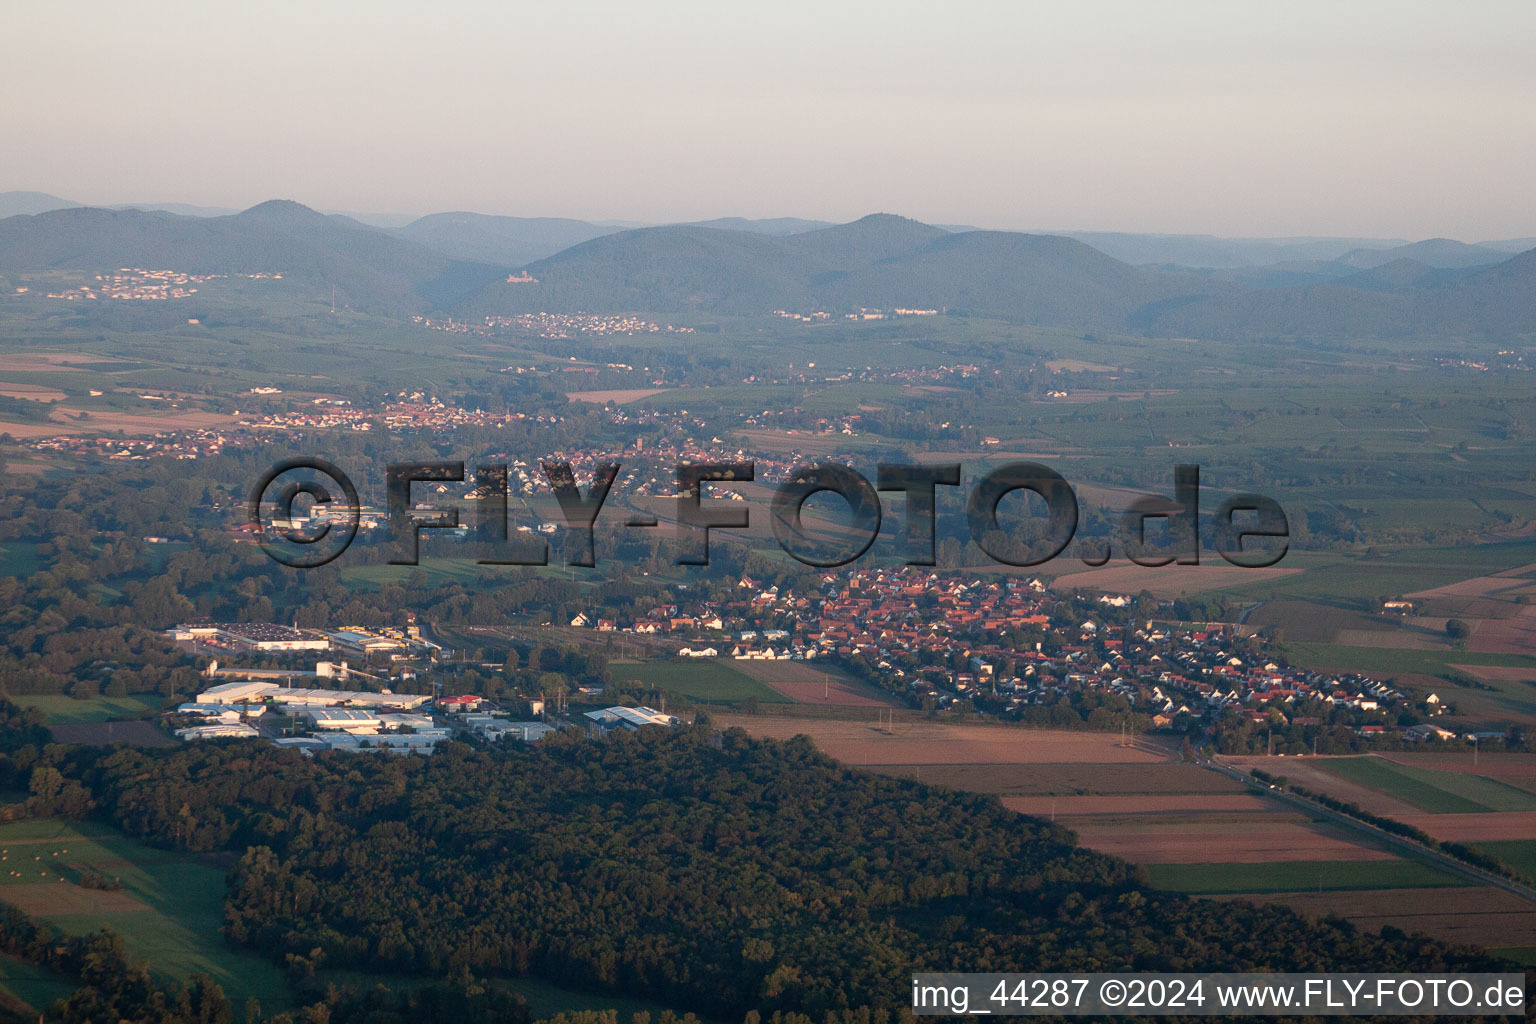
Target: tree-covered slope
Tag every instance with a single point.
(708, 870)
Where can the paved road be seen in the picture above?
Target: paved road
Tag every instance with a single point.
(1443, 860)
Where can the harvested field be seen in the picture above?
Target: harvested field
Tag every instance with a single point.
(1164, 581)
(134, 734)
(1311, 774)
(1069, 779)
(1473, 828)
(27, 431)
(926, 743)
(1498, 673)
(1428, 789)
(1249, 839)
(1078, 366)
(1480, 586)
(48, 362)
(54, 897)
(807, 684)
(1398, 640)
(1504, 767)
(1145, 804)
(1079, 397)
(618, 395)
(1516, 635)
(1299, 876)
(804, 441)
(1483, 916)
(34, 392)
(67, 421)
(129, 423)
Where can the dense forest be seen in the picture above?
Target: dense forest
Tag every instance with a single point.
(699, 868)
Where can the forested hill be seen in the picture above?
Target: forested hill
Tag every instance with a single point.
(369, 269)
(461, 263)
(880, 261)
(710, 871)
(887, 262)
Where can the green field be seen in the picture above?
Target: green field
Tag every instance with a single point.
(36, 987)
(543, 999)
(62, 710)
(706, 681)
(20, 559)
(1394, 660)
(1298, 876)
(176, 910)
(1430, 790)
(1519, 854)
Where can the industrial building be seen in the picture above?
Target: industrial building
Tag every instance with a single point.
(221, 712)
(217, 731)
(253, 636)
(391, 743)
(609, 719)
(254, 691)
(352, 720)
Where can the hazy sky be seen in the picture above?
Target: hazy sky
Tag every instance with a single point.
(1399, 118)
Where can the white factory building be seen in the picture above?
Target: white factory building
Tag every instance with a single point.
(221, 712)
(257, 691)
(495, 727)
(218, 731)
(253, 636)
(609, 719)
(353, 720)
(391, 743)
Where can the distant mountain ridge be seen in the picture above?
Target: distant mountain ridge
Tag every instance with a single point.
(26, 204)
(1442, 253)
(882, 261)
(370, 269)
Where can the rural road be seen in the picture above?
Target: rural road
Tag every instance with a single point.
(1446, 861)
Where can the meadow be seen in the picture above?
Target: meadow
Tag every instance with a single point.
(1434, 791)
(1519, 854)
(168, 911)
(29, 988)
(65, 710)
(706, 681)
